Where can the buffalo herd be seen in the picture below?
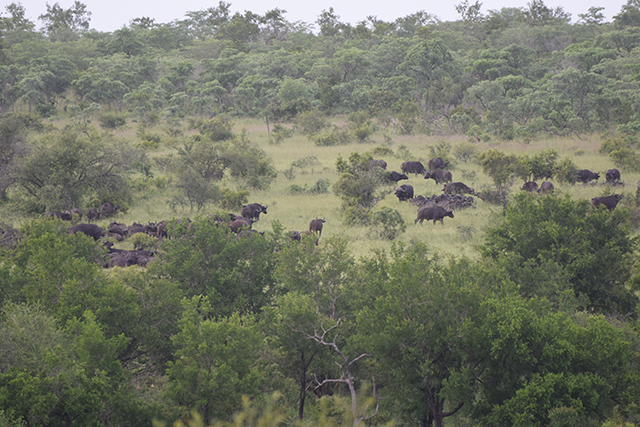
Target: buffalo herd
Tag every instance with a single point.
(455, 195)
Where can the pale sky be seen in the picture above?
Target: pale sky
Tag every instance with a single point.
(110, 15)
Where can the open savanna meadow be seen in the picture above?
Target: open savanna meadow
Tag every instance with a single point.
(294, 209)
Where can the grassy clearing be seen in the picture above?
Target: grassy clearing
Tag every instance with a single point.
(458, 236)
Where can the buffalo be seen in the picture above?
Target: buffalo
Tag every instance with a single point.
(612, 176)
(439, 176)
(65, 216)
(437, 163)
(530, 186)
(396, 176)
(108, 209)
(546, 187)
(435, 213)
(316, 225)
(610, 202)
(404, 192)
(90, 230)
(253, 211)
(457, 188)
(76, 212)
(92, 214)
(413, 167)
(240, 223)
(295, 235)
(585, 175)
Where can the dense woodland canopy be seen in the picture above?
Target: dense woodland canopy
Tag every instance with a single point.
(539, 329)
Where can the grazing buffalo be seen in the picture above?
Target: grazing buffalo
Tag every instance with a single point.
(90, 230)
(295, 235)
(610, 202)
(381, 163)
(316, 225)
(413, 167)
(435, 213)
(585, 175)
(108, 209)
(396, 176)
(65, 216)
(546, 187)
(253, 211)
(612, 176)
(92, 214)
(404, 192)
(457, 188)
(437, 163)
(530, 186)
(439, 176)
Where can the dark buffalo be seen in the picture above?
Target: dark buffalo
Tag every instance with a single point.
(76, 212)
(439, 176)
(316, 225)
(546, 187)
(48, 215)
(396, 176)
(435, 213)
(457, 188)
(404, 192)
(610, 202)
(613, 176)
(530, 186)
(437, 163)
(381, 163)
(108, 209)
(585, 175)
(90, 230)
(65, 216)
(413, 167)
(253, 211)
(295, 235)
(92, 214)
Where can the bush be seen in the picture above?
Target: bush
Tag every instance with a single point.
(144, 241)
(112, 120)
(567, 172)
(335, 136)
(465, 152)
(279, 134)
(626, 158)
(233, 200)
(387, 223)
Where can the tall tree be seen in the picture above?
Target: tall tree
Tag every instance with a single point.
(64, 24)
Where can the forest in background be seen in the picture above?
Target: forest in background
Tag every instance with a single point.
(538, 327)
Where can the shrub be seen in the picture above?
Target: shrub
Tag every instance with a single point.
(144, 241)
(567, 172)
(387, 223)
(465, 151)
(112, 120)
(280, 133)
(335, 136)
(233, 200)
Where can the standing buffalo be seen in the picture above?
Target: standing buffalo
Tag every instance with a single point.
(546, 187)
(316, 225)
(108, 209)
(92, 214)
(90, 230)
(585, 175)
(253, 211)
(240, 223)
(610, 202)
(530, 186)
(396, 176)
(435, 213)
(439, 176)
(437, 163)
(457, 188)
(413, 167)
(404, 192)
(613, 176)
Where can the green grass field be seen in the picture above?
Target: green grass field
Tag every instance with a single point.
(458, 236)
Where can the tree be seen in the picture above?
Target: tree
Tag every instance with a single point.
(591, 248)
(59, 173)
(216, 361)
(502, 169)
(537, 14)
(63, 24)
(628, 15)
(419, 329)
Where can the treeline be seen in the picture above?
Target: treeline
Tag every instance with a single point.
(541, 330)
(509, 73)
